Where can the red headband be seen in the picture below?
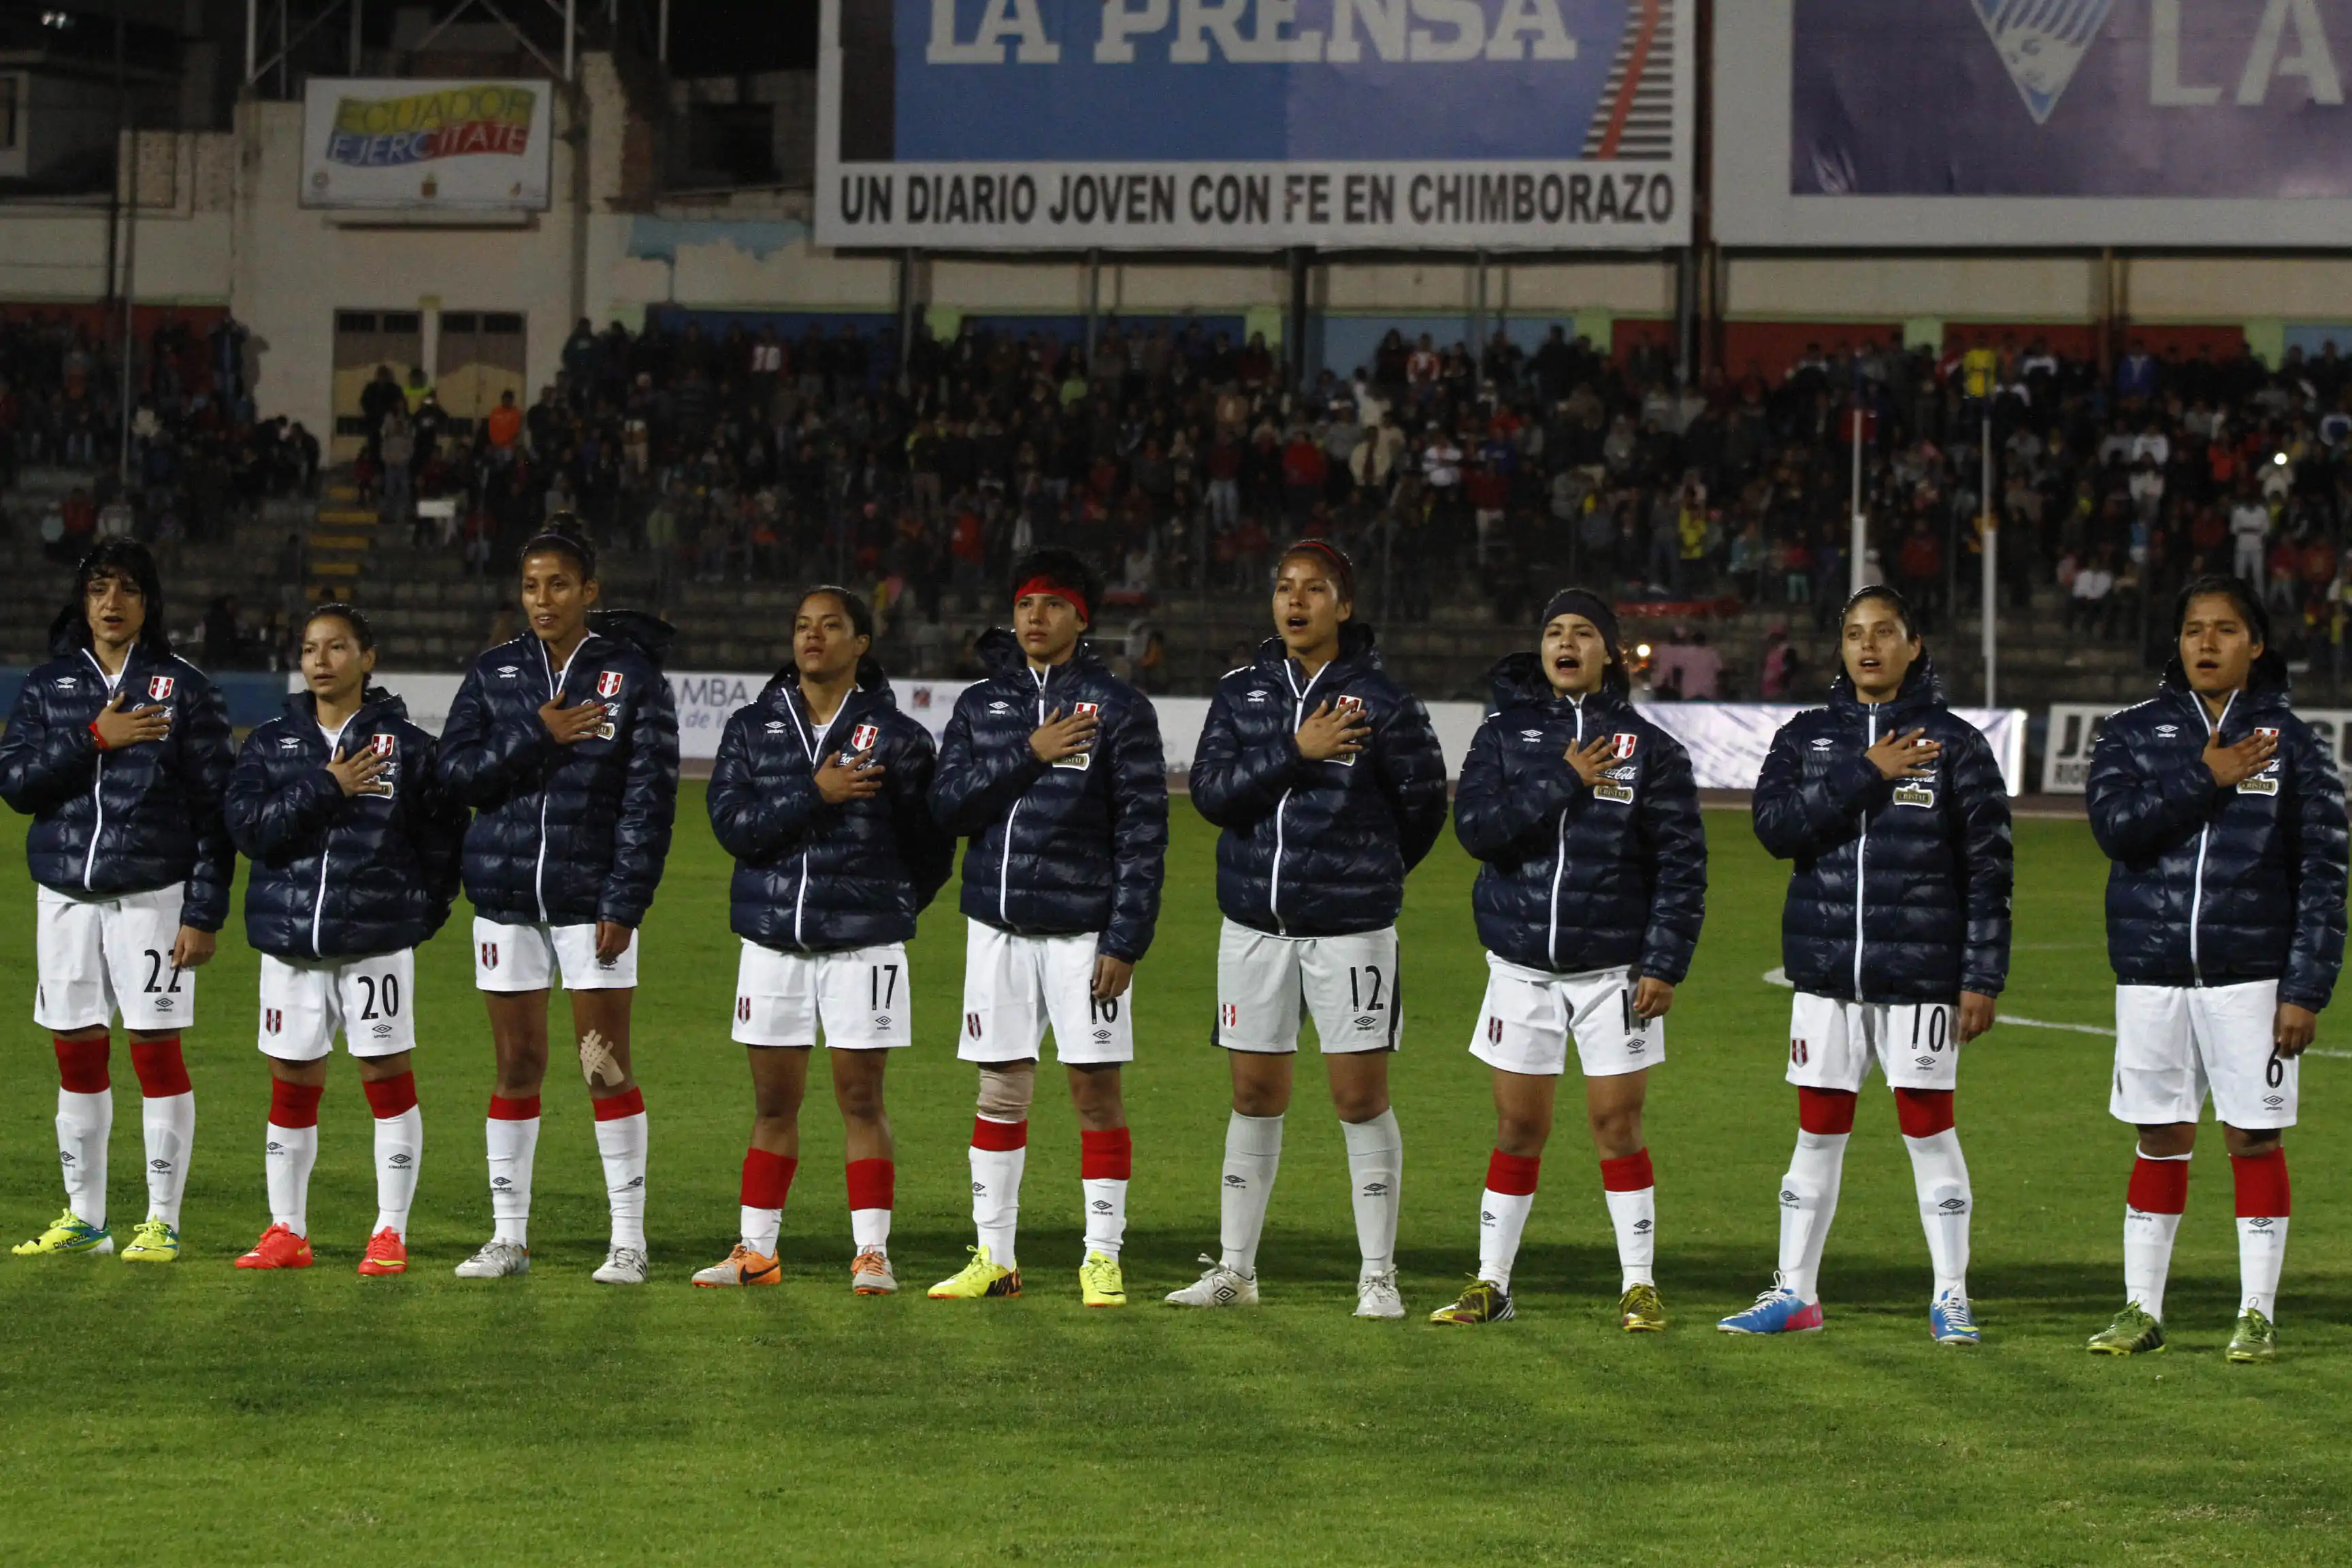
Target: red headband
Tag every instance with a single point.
(1059, 589)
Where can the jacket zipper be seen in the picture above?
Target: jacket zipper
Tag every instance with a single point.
(98, 783)
(815, 749)
(1297, 717)
(554, 692)
(319, 904)
(2204, 835)
(1005, 857)
(1560, 858)
(1861, 849)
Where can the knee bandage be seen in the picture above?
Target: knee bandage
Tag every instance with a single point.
(1007, 1090)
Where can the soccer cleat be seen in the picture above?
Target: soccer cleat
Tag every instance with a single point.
(1640, 1312)
(1776, 1312)
(1483, 1302)
(278, 1247)
(2133, 1333)
(980, 1278)
(1949, 1322)
(2256, 1338)
(623, 1266)
(741, 1267)
(387, 1254)
(66, 1234)
(869, 1274)
(152, 1241)
(1100, 1282)
(496, 1261)
(1220, 1287)
(1376, 1296)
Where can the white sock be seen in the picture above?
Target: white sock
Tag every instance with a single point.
(1106, 1201)
(1376, 1171)
(512, 1141)
(869, 1229)
(761, 1229)
(399, 1147)
(1809, 1195)
(1941, 1172)
(996, 1200)
(622, 1144)
(85, 1122)
(286, 1162)
(1253, 1155)
(1635, 1216)
(169, 1122)
(1502, 1217)
(2262, 1252)
(2148, 1256)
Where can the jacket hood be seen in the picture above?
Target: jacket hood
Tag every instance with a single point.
(1001, 651)
(873, 683)
(2266, 683)
(1519, 677)
(1922, 688)
(304, 705)
(648, 634)
(1357, 641)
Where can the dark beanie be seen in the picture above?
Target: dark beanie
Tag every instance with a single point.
(1578, 602)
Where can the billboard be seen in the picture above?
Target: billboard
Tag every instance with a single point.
(426, 146)
(2019, 123)
(1226, 124)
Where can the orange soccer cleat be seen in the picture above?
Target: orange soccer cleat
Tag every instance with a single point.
(741, 1267)
(387, 1254)
(278, 1247)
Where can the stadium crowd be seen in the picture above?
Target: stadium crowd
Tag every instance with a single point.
(1178, 455)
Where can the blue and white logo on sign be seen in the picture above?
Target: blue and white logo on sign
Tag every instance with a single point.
(2042, 42)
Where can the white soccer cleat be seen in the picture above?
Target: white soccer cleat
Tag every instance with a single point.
(496, 1261)
(1220, 1287)
(623, 1266)
(1376, 1296)
(871, 1274)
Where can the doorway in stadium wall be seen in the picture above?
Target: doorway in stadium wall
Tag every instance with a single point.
(364, 340)
(479, 355)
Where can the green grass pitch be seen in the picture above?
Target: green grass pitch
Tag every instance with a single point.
(195, 1413)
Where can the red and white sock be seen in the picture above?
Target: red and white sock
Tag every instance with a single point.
(399, 1147)
(873, 1192)
(512, 1135)
(1939, 1173)
(1632, 1192)
(1106, 1157)
(2152, 1208)
(167, 1116)
(621, 1141)
(2263, 1206)
(85, 1122)
(1503, 1213)
(767, 1186)
(1000, 1152)
(1808, 1191)
(292, 1149)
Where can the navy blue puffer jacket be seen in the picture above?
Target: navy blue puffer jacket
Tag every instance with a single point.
(566, 835)
(336, 876)
(1577, 878)
(1316, 849)
(1901, 890)
(2212, 886)
(136, 818)
(1057, 850)
(813, 877)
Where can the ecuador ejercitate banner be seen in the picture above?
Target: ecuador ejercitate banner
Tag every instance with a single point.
(460, 146)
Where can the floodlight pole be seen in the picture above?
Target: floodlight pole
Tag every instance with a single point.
(1860, 548)
(1989, 534)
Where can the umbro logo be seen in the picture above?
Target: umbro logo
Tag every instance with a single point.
(381, 1030)
(2166, 731)
(402, 1162)
(509, 671)
(1643, 1226)
(631, 1183)
(65, 683)
(777, 727)
(1954, 1205)
(500, 1183)
(1788, 1199)
(1000, 708)
(1923, 1061)
(2264, 1223)
(65, 1157)
(1376, 1189)
(1368, 1022)
(1531, 734)
(159, 1164)
(881, 1020)
(1260, 696)
(980, 1189)
(1486, 1216)
(1100, 1206)
(274, 1147)
(2273, 1101)
(288, 743)
(1102, 1036)
(1231, 1180)
(1824, 744)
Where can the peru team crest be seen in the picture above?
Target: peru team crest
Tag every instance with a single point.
(608, 684)
(380, 744)
(1620, 746)
(160, 688)
(862, 738)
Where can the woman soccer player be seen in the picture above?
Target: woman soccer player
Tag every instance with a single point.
(821, 795)
(1329, 783)
(1588, 904)
(355, 851)
(1895, 935)
(120, 752)
(564, 741)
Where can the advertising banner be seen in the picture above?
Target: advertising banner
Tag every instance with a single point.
(2075, 729)
(1225, 124)
(426, 146)
(2033, 121)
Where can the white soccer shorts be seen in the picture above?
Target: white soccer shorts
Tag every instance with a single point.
(1348, 984)
(859, 996)
(1832, 1043)
(1525, 1022)
(531, 958)
(1013, 987)
(2173, 1042)
(372, 1000)
(94, 956)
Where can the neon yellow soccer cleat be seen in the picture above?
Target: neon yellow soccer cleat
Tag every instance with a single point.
(2255, 1341)
(66, 1235)
(1100, 1281)
(1639, 1311)
(980, 1277)
(152, 1241)
(2133, 1333)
